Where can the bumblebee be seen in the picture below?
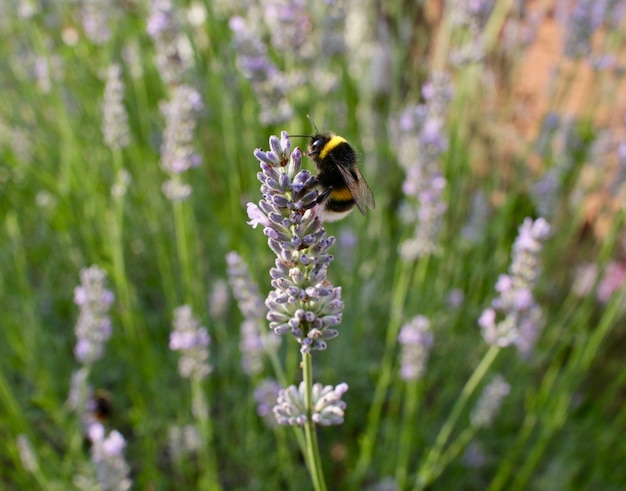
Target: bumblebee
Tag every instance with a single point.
(341, 183)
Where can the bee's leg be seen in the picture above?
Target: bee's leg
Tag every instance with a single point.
(324, 196)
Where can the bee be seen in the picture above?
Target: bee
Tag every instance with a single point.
(101, 405)
(341, 183)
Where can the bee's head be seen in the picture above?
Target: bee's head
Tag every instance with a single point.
(316, 144)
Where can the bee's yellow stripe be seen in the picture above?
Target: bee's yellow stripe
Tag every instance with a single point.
(341, 194)
(332, 143)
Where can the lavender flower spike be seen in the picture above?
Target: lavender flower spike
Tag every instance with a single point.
(328, 408)
(192, 340)
(107, 453)
(514, 316)
(489, 402)
(303, 301)
(416, 340)
(93, 327)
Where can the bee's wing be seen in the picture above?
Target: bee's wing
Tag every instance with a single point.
(358, 187)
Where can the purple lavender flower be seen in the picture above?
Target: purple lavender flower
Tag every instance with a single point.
(255, 341)
(328, 408)
(489, 402)
(192, 340)
(303, 301)
(173, 50)
(96, 17)
(421, 140)
(115, 119)
(416, 341)
(268, 83)
(177, 153)
(582, 22)
(514, 317)
(107, 453)
(290, 25)
(265, 395)
(93, 327)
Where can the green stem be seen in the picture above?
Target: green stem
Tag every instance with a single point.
(403, 275)
(312, 447)
(432, 463)
(413, 392)
(209, 479)
(183, 251)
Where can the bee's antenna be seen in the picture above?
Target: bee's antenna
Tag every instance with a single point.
(314, 126)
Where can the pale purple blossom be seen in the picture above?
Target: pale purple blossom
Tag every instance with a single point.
(416, 340)
(115, 119)
(514, 317)
(303, 301)
(420, 142)
(192, 341)
(255, 340)
(268, 83)
(327, 406)
(93, 327)
(489, 402)
(177, 150)
(107, 453)
(266, 395)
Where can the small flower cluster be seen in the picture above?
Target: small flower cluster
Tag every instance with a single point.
(290, 27)
(177, 153)
(421, 140)
(107, 453)
(192, 340)
(115, 119)
(254, 343)
(473, 16)
(173, 50)
(514, 316)
(303, 301)
(327, 406)
(269, 84)
(489, 402)
(96, 19)
(582, 22)
(416, 340)
(93, 327)
(265, 396)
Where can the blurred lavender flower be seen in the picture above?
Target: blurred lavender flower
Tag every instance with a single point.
(581, 23)
(93, 327)
(474, 456)
(265, 396)
(268, 83)
(333, 38)
(420, 140)
(473, 16)
(115, 119)
(489, 402)
(27, 454)
(177, 153)
(514, 316)
(612, 280)
(416, 340)
(183, 441)
(96, 17)
(172, 47)
(585, 277)
(327, 406)
(289, 24)
(558, 139)
(303, 301)
(192, 340)
(107, 453)
(255, 340)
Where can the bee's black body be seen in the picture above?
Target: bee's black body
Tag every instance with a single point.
(342, 185)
